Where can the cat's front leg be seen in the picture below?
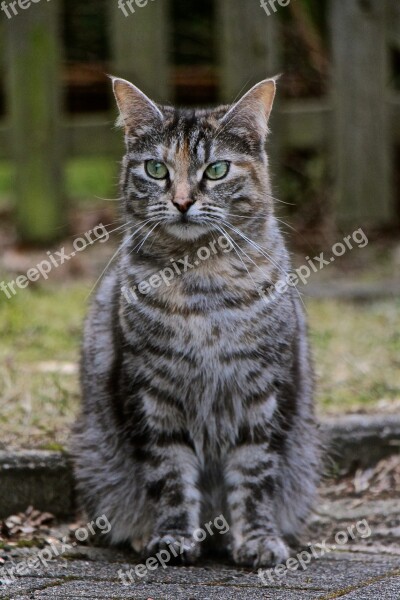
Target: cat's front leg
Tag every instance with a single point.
(171, 491)
(251, 477)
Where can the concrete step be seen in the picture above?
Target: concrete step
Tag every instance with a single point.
(44, 479)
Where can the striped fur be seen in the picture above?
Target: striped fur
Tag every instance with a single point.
(197, 397)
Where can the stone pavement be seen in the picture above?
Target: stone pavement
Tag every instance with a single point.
(365, 568)
(350, 576)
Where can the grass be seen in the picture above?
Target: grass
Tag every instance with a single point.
(357, 354)
(40, 331)
(6, 182)
(91, 177)
(356, 350)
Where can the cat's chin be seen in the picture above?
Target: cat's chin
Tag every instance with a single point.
(186, 231)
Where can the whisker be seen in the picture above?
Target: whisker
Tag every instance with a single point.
(124, 243)
(244, 253)
(236, 247)
(257, 216)
(110, 199)
(230, 107)
(307, 242)
(288, 225)
(226, 125)
(106, 225)
(264, 253)
(240, 91)
(126, 225)
(147, 235)
(254, 245)
(279, 200)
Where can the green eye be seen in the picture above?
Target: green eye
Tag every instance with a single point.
(217, 170)
(156, 170)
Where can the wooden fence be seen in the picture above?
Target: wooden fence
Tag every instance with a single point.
(358, 123)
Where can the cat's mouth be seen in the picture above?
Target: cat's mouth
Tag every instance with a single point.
(187, 228)
(184, 219)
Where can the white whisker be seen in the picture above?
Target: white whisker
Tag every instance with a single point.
(147, 235)
(264, 253)
(124, 243)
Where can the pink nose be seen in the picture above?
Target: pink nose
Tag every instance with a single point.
(183, 204)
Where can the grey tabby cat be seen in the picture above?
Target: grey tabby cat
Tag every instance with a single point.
(197, 395)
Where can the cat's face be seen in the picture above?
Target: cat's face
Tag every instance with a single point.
(188, 172)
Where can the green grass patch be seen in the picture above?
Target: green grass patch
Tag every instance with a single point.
(92, 178)
(86, 179)
(357, 353)
(40, 329)
(42, 323)
(6, 183)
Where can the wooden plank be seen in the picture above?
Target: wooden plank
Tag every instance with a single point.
(394, 107)
(306, 126)
(83, 136)
(5, 135)
(394, 22)
(33, 55)
(362, 142)
(140, 43)
(2, 49)
(92, 137)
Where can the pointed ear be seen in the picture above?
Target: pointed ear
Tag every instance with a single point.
(254, 109)
(136, 111)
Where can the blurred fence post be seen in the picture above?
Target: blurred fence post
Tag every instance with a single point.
(34, 98)
(248, 46)
(140, 46)
(2, 50)
(362, 141)
(394, 22)
(249, 51)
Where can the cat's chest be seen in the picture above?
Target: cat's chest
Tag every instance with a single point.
(199, 347)
(208, 329)
(202, 313)
(207, 350)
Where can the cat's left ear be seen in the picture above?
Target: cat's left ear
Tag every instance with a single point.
(253, 110)
(136, 111)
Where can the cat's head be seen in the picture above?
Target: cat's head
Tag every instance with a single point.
(194, 171)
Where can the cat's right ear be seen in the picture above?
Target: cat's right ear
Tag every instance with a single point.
(137, 113)
(252, 112)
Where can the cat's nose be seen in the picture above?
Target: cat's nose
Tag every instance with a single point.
(183, 204)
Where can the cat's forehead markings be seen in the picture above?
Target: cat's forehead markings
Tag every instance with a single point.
(179, 151)
(186, 135)
(183, 158)
(201, 150)
(171, 151)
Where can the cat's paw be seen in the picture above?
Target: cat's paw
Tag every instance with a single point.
(139, 545)
(261, 552)
(180, 548)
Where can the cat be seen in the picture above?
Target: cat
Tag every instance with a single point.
(197, 391)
